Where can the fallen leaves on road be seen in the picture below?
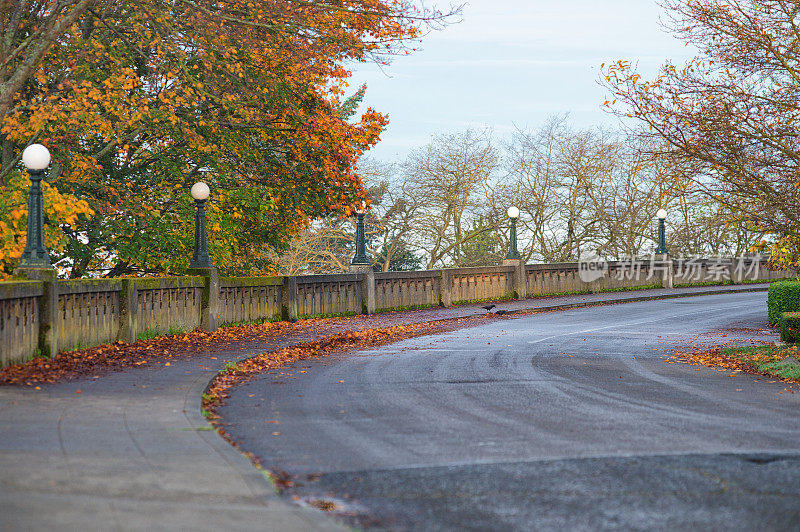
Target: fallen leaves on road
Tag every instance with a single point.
(235, 374)
(325, 506)
(245, 370)
(117, 356)
(164, 351)
(725, 358)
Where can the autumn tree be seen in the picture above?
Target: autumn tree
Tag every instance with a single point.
(727, 120)
(137, 99)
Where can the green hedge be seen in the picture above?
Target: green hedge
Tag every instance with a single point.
(784, 296)
(790, 327)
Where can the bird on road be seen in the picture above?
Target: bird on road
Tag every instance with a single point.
(488, 307)
(500, 312)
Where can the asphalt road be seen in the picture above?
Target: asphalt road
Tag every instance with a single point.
(560, 420)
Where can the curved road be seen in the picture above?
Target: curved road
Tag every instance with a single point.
(568, 419)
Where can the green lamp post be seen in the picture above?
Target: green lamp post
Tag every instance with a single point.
(360, 258)
(662, 239)
(513, 254)
(36, 159)
(200, 258)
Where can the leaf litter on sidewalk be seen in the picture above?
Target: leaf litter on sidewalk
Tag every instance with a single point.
(164, 351)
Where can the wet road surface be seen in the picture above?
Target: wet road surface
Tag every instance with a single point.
(569, 419)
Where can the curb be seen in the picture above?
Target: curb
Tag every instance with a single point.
(260, 486)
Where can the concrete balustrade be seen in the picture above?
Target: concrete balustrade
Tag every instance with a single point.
(88, 312)
(246, 299)
(475, 284)
(91, 312)
(319, 295)
(19, 320)
(407, 289)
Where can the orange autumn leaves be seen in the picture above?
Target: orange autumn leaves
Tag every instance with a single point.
(165, 351)
(725, 122)
(721, 358)
(136, 97)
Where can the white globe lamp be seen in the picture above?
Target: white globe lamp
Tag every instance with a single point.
(200, 191)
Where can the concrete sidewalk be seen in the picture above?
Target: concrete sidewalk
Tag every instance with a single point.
(131, 450)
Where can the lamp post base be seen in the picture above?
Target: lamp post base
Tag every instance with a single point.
(520, 282)
(367, 286)
(667, 273)
(209, 306)
(48, 306)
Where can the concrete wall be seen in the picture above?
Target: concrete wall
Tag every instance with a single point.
(473, 284)
(91, 312)
(19, 320)
(249, 299)
(88, 312)
(394, 290)
(720, 270)
(167, 304)
(319, 295)
(553, 278)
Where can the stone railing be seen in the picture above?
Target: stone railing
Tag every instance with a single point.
(47, 316)
(19, 320)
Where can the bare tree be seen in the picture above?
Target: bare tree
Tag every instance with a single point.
(323, 246)
(447, 177)
(393, 214)
(531, 161)
(636, 187)
(559, 179)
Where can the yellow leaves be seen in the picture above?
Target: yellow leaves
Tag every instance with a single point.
(60, 209)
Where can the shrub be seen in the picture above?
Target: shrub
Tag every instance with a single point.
(784, 296)
(790, 327)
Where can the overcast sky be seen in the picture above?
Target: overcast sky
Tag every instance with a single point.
(513, 62)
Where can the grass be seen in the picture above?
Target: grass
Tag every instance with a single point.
(407, 307)
(728, 282)
(631, 288)
(230, 367)
(211, 398)
(567, 293)
(778, 361)
(557, 294)
(77, 346)
(706, 283)
(257, 321)
(155, 332)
